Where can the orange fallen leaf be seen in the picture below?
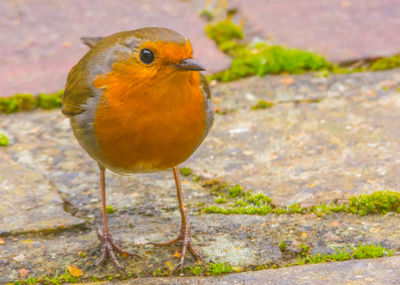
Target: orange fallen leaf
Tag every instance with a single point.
(335, 224)
(287, 80)
(303, 234)
(23, 272)
(177, 254)
(75, 271)
(2, 241)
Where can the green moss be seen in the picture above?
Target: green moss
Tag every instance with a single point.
(185, 171)
(262, 104)
(224, 34)
(235, 200)
(207, 14)
(110, 209)
(359, 252)
(54, 280)
(379, 202)
(283, 246)
(370, 251)
(196, 270)
(218, 269)
(27, 102)
(18, 102)
(386, 63)
(4, 141)
(50, 101)
(259, 58)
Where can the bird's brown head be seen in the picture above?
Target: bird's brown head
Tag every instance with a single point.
(144, 56)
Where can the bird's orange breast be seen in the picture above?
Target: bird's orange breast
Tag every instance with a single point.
(147, 126)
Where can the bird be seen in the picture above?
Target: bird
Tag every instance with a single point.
(138, 102)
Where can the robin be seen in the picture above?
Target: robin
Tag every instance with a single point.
(137, 103)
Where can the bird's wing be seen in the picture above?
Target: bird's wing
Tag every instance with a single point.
(77, 90)
(91, 41)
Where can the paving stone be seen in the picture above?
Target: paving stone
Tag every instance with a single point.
(40, 40)
(356, 272)
(30, 202)
(304, 152)
(341, 30)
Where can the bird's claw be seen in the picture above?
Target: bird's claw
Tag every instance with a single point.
(183, 236)
(108, 250)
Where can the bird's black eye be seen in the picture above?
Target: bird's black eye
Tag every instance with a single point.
(146, 56)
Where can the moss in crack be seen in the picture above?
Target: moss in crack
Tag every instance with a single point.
(261, 58)
(359, 252)
(235, 200)
(18, 102)
(262, 104)
(225, 34)
(27, 102)
(56, 279)
(4, 141)
(50, 101)
(386, 63)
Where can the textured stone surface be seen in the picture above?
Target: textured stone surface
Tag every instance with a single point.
(40, 39)
(342, 30)
(29, 202)
(300, 151)
(384, 271)
(296, 151)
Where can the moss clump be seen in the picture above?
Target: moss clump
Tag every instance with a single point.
(27, 102)
(235, 200)
(359, 252)
(110, 209)
(56, 279)
(261, 59)
(379, 202)
(218, 269)
(50, 101)
(224, 34)
(283, 246)
(18, 102)
(185, 171)
(386, 63)
(207, 15)
(262, 104)
(4, 140)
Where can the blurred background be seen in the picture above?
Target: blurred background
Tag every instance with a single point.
(40, 39)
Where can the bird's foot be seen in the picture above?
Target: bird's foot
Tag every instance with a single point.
(108, 251)
(184, 236)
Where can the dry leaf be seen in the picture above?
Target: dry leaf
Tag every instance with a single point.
(23, 272)
(287, 80)
(75, 271)
(335, 224)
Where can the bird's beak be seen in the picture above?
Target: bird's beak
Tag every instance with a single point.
(190, 64)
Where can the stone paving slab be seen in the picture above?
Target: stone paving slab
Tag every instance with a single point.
(346, 142)
(29, 202)
(342, 30)
(40, 39)
(384, 271)
(296, 151)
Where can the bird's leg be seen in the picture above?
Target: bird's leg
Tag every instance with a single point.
(108, 246)
(184, 233)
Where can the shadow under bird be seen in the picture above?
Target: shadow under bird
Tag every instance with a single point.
(138, 103)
